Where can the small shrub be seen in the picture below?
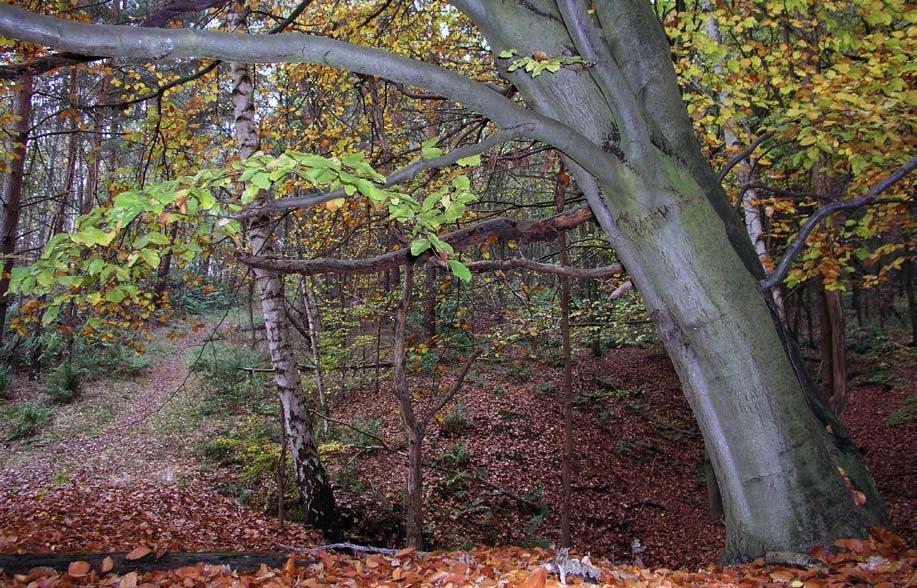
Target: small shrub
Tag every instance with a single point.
(348, 479)
(359, 434)
(547, 389)
(456, 456)
(114, 361)
(455, 423)
(25, 421)
(222, 367)
(196, 298)
(903, 414)
(6, 382)
(64, 382)
(253, 451)
(518, 371)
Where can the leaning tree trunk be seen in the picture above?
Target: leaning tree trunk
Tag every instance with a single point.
(776, 464)
(12, 191)
(315, 489)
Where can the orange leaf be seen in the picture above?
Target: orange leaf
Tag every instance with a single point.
(129, 580)
(785, 575)
(290, 566)
(138, 553)
(78, 569)
(536, 579)
(859, 498)
(407, 552)
(107, 564)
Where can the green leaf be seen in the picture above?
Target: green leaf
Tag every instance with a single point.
(117, 295)
(150, 257)
(429, 150)
(470, 161)
(507, 53)
(461, 182)
(455, 211)
(460, 270)
(440, 245)
(418, 246)
(262, 180)
(250, 193)
(45, 278)
(50, 315)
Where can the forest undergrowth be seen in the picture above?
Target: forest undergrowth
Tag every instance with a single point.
(174, 466)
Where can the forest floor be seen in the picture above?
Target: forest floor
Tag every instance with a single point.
(106, 475)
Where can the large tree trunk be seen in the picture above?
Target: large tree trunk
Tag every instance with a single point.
(12, 192)
(696, 269)
(315, 489)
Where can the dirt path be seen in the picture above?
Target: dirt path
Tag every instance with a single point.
(84, 487)
(121, 449)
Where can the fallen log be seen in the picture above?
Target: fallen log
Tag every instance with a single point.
(22, 564)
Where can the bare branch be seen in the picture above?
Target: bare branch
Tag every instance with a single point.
(173, 9)
(598, 273)
(161, 17)
(783, 267)
(450, 394)
(44, 64)
(742, 155)
(498, 229)
(159, 44)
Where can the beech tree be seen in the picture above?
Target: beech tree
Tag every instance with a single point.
(599, 86)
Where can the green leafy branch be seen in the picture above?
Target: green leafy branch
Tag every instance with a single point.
(539, 62)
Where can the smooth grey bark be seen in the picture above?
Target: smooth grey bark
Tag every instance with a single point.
(696, 269)
(775, 446)
(12, 191)
(314, 486)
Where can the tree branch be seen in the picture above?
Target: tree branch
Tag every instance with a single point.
(498, 229)
(159, 44)
(450, 394)
(742, 155)
(783, 267)
(161, 17)
(397, 177)
(598, 273)
(173, 9)
(44, 64)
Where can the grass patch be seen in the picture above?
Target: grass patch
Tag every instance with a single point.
(64, 383)
(6, 382)
(26, 420)
(112, 361)
(455, 423)
(904, 413)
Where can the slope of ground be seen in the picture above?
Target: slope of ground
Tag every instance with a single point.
(116, 483)
(638, 474)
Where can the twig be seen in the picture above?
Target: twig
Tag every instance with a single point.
(351, 547)
(362, 432)
(783, 267)
(445, 398)
(742, 155)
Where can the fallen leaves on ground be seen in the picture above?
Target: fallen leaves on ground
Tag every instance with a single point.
(84, 514)
(882, 561)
